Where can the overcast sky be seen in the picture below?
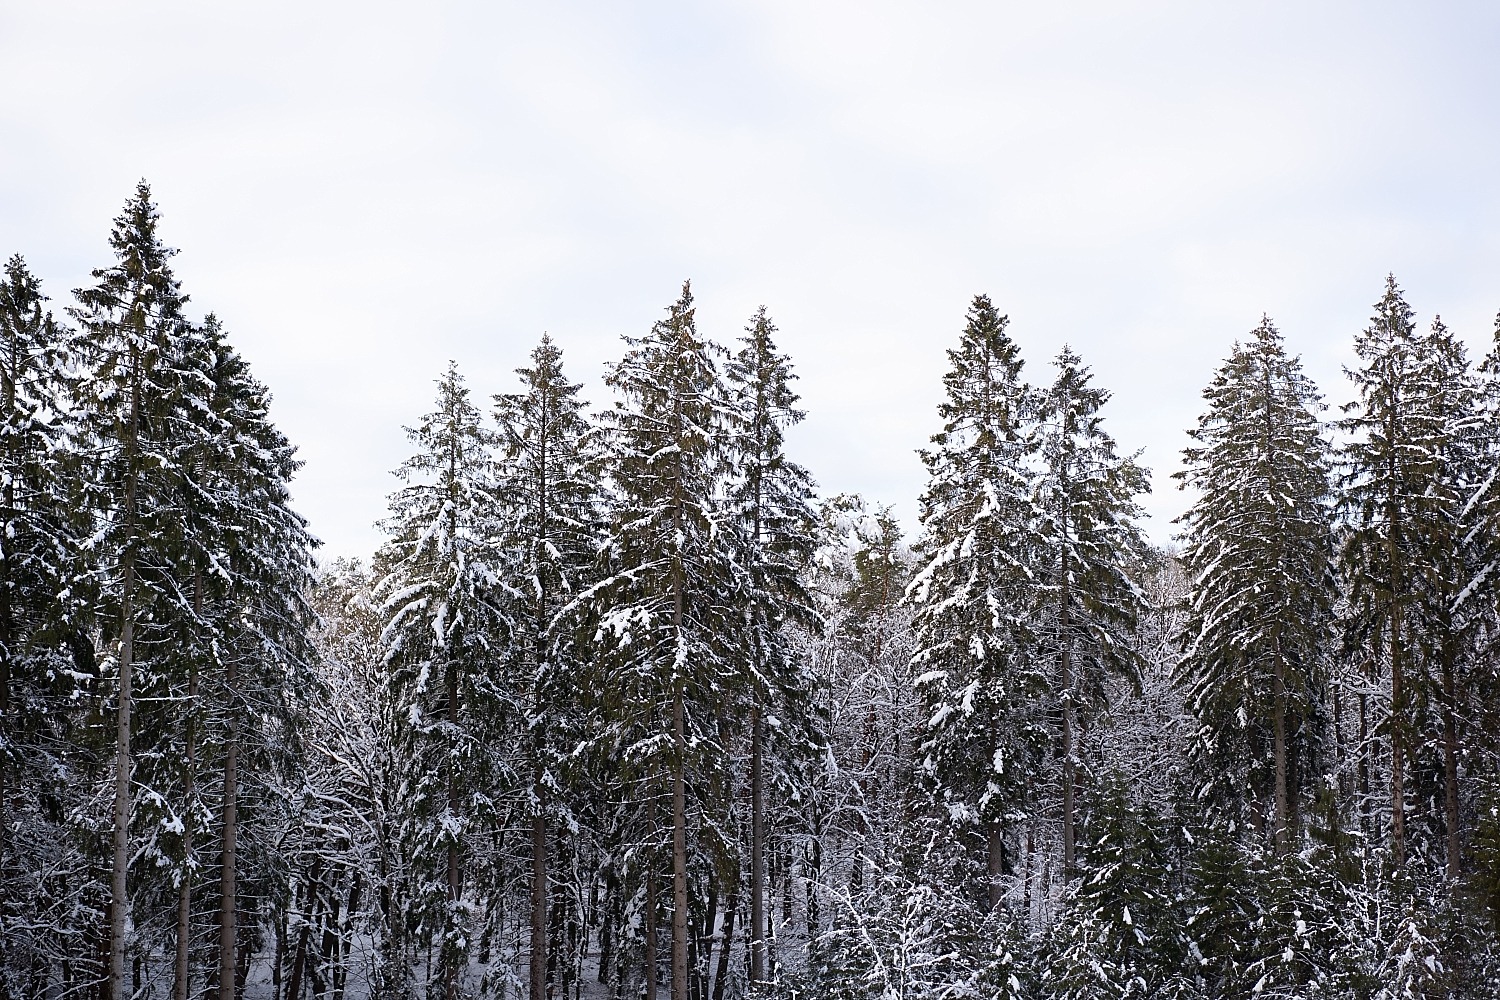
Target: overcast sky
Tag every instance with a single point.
(363, 191)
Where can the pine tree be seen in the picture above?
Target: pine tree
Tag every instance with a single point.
(1085, 494)
(1259, 551)
(550, 499)
(444, 632)
(772, 498)
(975, 593)
(667, 616)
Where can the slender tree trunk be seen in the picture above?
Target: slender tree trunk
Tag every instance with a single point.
(449, 955)
(299, 953)
(8, 629)
(1398, 743)
(651, 985)
(1366, 821)
(1450, 760)
(7, 643)
(1030, 866)
(995, 862)
(341, 971)
(679, 849)
(721, 975)
(1278, 737)
(538, 904)
(1066, 682)
(1393, 522)
(181, 974)
(757, 854)
(119, 898)
(229, 856)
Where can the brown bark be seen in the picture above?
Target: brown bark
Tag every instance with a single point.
(1278, 736)
(679, 850)
(1450, 761)
(1366, 823)
(1398, 757)
(757, 854)
(119, 897)
(448, 957)
(229, 856)
(651, 984)
(995, 862)
(181, 973)
(7, 617)
(1066, 682)
(721, 975)
(538, 904)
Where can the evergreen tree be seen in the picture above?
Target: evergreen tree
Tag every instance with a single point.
(40, 620)
(1085, 494)
(1448, 624)
(132, 321)
(772, 498)
(1391, 465)
(1121, 933)
(975, 594)
(1259, 553)
(551, 506)
(668, 619)
(246, 534)
(444, 633)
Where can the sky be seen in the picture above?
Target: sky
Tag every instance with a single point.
(364, 191)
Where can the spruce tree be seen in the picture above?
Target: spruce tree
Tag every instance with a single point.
(444, 633)
(772, 499)
(1085, 495)
(1449, 625)
(1391, 464)
(667, 615)
(41, 611)
(131, 321)
(550, 501)
(255, 614)
(1259, 551)
(974, 594)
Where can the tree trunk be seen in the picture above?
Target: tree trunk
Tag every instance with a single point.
(181, 972)
(651, 928)
(995, 862)
(229, 859)
(341, 971)
(1398, 724)
(679, 849)
(119, 898)
(1278, 736)
(538, 903)
(721, 975)
(7, 626)
(1450, 760)
(757, 854)
(1067, 728)
(449, 956)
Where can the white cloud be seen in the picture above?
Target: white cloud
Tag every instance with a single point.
(362, 191)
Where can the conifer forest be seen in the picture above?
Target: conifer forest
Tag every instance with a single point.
(625, 708)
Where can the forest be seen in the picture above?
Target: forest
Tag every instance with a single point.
(624, 708)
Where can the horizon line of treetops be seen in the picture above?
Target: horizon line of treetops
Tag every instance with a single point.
(621, 707)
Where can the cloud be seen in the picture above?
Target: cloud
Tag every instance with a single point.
(362, 191)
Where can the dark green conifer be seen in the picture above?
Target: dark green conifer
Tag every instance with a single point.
(1259, 552)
